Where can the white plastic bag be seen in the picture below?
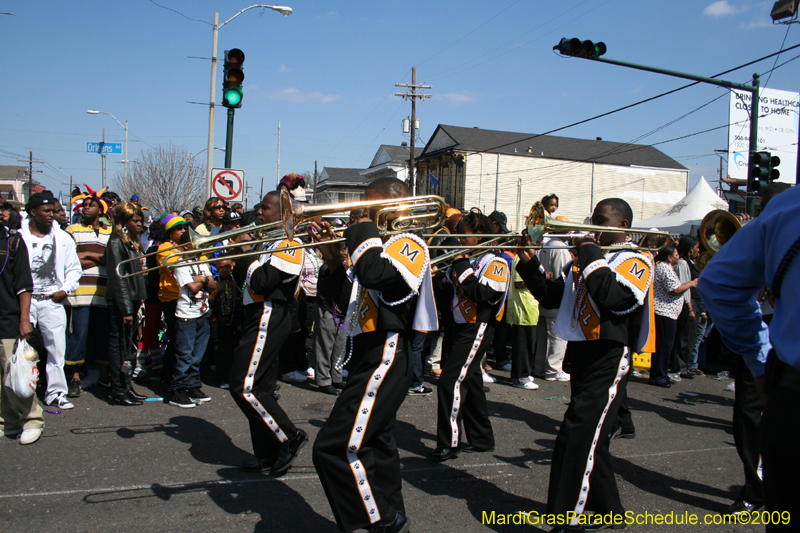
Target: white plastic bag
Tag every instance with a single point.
(23, 374)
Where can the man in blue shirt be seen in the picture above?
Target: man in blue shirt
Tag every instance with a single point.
(729, 286)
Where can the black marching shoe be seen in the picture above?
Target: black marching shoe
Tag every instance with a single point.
(259, 465)
(329, 389)
(288, 453)
(624, 433)
(125, 399)
(469, 448)
(443, 454)
(743, 506)
(135, 395)
(687, 375)
(398, 525)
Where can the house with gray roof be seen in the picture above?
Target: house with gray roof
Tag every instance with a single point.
(338, 185)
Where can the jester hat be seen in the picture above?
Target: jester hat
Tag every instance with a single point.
(92, 195)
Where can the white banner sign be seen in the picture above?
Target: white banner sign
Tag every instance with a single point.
(777, 131)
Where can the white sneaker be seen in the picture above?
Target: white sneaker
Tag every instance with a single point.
(10, 432)
(561, 376)
(225, 386)
(530, 385)
(488, 378)
(61, 402)
(295, 377)
(310, 373)
(29, 436)
(506, 367)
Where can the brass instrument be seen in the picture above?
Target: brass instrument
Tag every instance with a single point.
(716, 229)
(415, 213)
(201, 241)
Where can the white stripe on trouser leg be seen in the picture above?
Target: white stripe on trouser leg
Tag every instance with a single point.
(612, 393)
(360, 427)
(457, 388)
(255, 358)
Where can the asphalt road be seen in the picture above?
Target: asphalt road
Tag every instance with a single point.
(101, 467)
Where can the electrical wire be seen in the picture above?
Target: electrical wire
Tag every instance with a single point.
(181, 14)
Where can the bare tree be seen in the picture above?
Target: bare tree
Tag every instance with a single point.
(166, 178)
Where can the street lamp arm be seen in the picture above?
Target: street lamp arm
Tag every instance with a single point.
(95, 112)
(283, 10)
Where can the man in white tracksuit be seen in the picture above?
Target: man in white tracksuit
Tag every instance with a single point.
(56, 272)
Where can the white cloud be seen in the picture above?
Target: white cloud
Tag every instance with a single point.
(459, 98)
(292, 94)
(763, 22)
(720, 9)
(284, 68)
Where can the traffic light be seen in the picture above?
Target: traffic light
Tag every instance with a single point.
(763, 170)
(232, 78)
(578, 48)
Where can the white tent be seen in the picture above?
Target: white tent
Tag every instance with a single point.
(685, 216)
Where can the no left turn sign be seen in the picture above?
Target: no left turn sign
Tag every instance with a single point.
(228, 184)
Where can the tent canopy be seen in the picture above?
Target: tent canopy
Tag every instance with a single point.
(685, 216)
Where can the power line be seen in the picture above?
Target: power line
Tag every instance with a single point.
(629, 106)
(179, 13)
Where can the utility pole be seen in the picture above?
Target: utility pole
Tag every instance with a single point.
(103, 155)
(246, 194)
(30, 162)
(413, 96)
(261, 194)
(278, 179)
(315, 182)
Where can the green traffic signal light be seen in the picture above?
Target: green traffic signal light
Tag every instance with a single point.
(774, 173)
(233, 97)
(759, 175)
(232, 78)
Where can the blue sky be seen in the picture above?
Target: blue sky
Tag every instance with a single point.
(327, 73)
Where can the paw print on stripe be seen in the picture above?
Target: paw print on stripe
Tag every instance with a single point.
(391, 345)
(353, 448)
(359, 429)
(367, 498)
(387, 362)
(377, 377)
(370, 394)
(365, 410)
(361, 482)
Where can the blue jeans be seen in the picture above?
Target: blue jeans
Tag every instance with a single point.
(191, 339)
(87, 334)
(417, 345)
(701, 332)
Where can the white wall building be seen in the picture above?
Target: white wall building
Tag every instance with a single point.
(508, 172)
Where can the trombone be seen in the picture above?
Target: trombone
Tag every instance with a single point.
(540, 223)
(415, 213)
(201, 241)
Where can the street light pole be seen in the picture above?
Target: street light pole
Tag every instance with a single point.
(283, 10)
(125, 175)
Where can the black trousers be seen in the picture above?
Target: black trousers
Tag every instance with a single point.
(121, 352)
(581, 459)
(746, 418)
(684, 342)
(462, 399)
(624, 417)
(779, 435)
(666, 329)
(523, 352)
(500, 342)
(254, 371)
(355, 453)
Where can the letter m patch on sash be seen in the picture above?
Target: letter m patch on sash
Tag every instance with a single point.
(634, 271)
(408, 254)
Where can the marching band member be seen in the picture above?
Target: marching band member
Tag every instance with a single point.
(271, 282)
(388, 295)
(478, 286)
(598, 297)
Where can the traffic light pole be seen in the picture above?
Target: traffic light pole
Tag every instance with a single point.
(229, 138)
(752, 89)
